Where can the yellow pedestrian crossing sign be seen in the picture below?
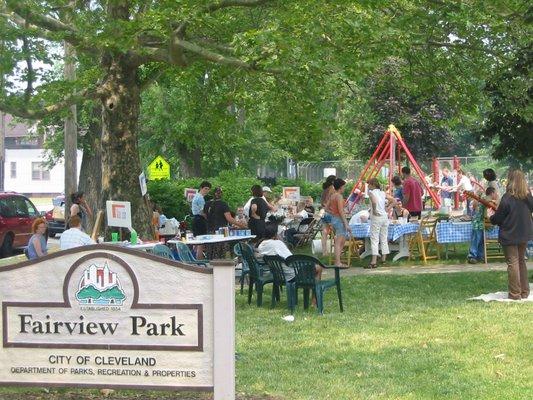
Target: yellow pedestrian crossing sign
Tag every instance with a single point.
(159, 169)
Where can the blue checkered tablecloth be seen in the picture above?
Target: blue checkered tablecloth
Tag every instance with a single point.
(457, 232)
(395, 230)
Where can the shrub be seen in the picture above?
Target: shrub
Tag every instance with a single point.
(235, 184)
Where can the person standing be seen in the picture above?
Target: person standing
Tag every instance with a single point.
(259, 208)
(490, 177)
(80, 208)
(199, 223)
(218, 213)
(476, 253)
(513, 216)
(37, 243)
(338, 219)
(445, 187)
(464, 184)
(412, 194)
(327, 191)
(397, 191)
(379, 222)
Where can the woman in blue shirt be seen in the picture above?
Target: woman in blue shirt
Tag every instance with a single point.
(37, 244)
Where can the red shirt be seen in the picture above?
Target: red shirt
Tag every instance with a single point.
(413, 189)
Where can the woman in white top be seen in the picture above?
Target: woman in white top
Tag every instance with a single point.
(379, 222)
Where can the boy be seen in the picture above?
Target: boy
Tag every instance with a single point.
(476, 253)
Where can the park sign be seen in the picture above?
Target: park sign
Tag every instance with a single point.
(159, 168)
(102, 316)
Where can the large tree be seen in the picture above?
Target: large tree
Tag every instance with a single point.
(296, 45)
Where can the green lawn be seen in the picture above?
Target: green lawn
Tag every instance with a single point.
(400, 337)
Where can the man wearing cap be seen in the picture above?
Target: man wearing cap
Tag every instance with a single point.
(246, 207)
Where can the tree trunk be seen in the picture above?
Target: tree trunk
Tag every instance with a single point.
(190, 161)
(71, 135)
(120, 156)
(91, 165)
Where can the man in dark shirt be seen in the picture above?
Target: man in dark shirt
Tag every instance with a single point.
(218, 213)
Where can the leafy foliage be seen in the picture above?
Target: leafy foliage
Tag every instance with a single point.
(235, 184)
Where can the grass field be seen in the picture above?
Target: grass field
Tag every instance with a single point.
(400, 337)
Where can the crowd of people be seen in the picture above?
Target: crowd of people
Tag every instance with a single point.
(511, 211)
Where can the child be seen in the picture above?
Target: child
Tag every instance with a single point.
(476, 253)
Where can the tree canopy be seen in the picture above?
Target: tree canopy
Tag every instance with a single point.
(295, 72)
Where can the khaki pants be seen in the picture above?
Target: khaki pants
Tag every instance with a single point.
(379, 229)
(517, 271)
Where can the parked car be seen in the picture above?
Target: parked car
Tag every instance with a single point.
(17, 214)
(55, 218)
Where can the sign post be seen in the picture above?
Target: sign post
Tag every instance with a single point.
(102, 316)
(159, 168)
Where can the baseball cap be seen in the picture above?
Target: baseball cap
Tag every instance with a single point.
(266, 189)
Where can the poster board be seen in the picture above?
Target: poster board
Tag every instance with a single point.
(291, 193)
(189, 194)
(118, 213)
(142, 184)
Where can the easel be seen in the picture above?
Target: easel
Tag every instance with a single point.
(389, 151)
(97, 224)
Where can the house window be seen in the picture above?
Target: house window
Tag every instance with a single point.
(38, 172)
(13, 169)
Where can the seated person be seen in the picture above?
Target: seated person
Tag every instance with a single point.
(360, 217)
(309, 207)
(272, 246)
(240, 217)
(74, 237)
(398, 211)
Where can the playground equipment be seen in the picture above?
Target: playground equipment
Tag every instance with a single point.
(389, 152)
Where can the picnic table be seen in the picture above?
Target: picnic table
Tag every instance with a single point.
(139, 246)
(459, 232)
(216, 245)
(397, 233)
(447, 232)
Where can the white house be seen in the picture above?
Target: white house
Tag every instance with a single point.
(24, 168)
(25, 173)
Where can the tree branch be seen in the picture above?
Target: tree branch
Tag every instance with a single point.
(50, 109)
(462, 46)
(45, 22)
(218, 58)
(233, 3)
(29, 65)
(218, 6)
(213, 44)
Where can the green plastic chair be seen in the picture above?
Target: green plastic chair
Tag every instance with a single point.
(304, 267)
(161, 250)
(257, 276)
(245, 270)
(275, 264)
(185, 255)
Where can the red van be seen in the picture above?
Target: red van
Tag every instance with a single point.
(17, 214)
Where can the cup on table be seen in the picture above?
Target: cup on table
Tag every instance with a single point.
(114, 237)
(133, 238)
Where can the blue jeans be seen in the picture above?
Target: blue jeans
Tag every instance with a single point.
(476, 245)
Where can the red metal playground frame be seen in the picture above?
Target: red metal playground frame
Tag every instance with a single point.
(389, 151)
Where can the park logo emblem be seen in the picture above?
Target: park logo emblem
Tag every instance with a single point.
(100, 286)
